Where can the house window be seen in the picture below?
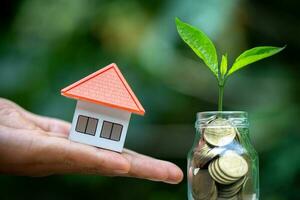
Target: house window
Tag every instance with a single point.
(111, 131)
(87, 125)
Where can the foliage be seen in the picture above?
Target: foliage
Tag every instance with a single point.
(200, 44)
(205, 49)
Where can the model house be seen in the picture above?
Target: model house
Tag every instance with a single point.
(105, 102)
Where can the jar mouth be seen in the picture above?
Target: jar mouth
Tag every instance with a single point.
(206, 114)
(223, 112)
(236, 118)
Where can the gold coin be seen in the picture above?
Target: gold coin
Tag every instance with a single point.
(202, 184)
(238, 136)
(232, 164)
(233, 187)
(220, 174)
(244, 193)
(201, 157)
(216, 174)
(214, 194)
(216, 151)
(219, 132)
(213, 173)
(229, 198)
(204, 154)
(202, 147)
(229, 194)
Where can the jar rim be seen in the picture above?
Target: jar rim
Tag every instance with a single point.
(223, 112)
(236, 114)
(237, 118)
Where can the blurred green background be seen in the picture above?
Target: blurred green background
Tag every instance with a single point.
(46, 45)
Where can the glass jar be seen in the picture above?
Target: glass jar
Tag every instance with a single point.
(222, 163)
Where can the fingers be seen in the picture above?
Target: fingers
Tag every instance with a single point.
(64, 156)
(39, 155)
(153, 169)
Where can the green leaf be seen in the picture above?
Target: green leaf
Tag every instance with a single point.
(223, 68)
(200, 43)
(253, 55)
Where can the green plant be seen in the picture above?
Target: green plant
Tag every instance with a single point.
(205, 49)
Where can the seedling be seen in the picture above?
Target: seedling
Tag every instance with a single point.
(205, 49)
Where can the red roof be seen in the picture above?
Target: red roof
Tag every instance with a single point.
(107, 87)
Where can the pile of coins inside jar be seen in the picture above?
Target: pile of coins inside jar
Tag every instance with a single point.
(219, 170)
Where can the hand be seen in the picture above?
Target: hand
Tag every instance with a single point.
(33, 145)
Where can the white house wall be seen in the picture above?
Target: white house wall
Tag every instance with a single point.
(101, 113)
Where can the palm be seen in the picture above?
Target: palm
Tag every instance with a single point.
(38, 146)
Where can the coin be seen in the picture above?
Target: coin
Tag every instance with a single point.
(220, 174)
(202, 185)
(232, 164)
(233, 187)
(215, 174)
(215, 152)
(230, 198)
(205, 153)
(231, 191)
(201, 157)
(228, 194)
(245, 191)
(214, 194)
(238, 136)
(231, 174)
(219, 132)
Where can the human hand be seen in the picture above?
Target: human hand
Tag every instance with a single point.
(33, 145)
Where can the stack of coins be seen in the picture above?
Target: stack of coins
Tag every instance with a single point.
(232, 190)
(206, 187)
(206, 154)
(229, 168)
(219, 172)
(229, 171)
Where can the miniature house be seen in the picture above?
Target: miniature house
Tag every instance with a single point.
(105, 102)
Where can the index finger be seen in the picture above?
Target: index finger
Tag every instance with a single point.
(146, 167)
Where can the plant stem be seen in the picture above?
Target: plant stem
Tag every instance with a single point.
(221, 93)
